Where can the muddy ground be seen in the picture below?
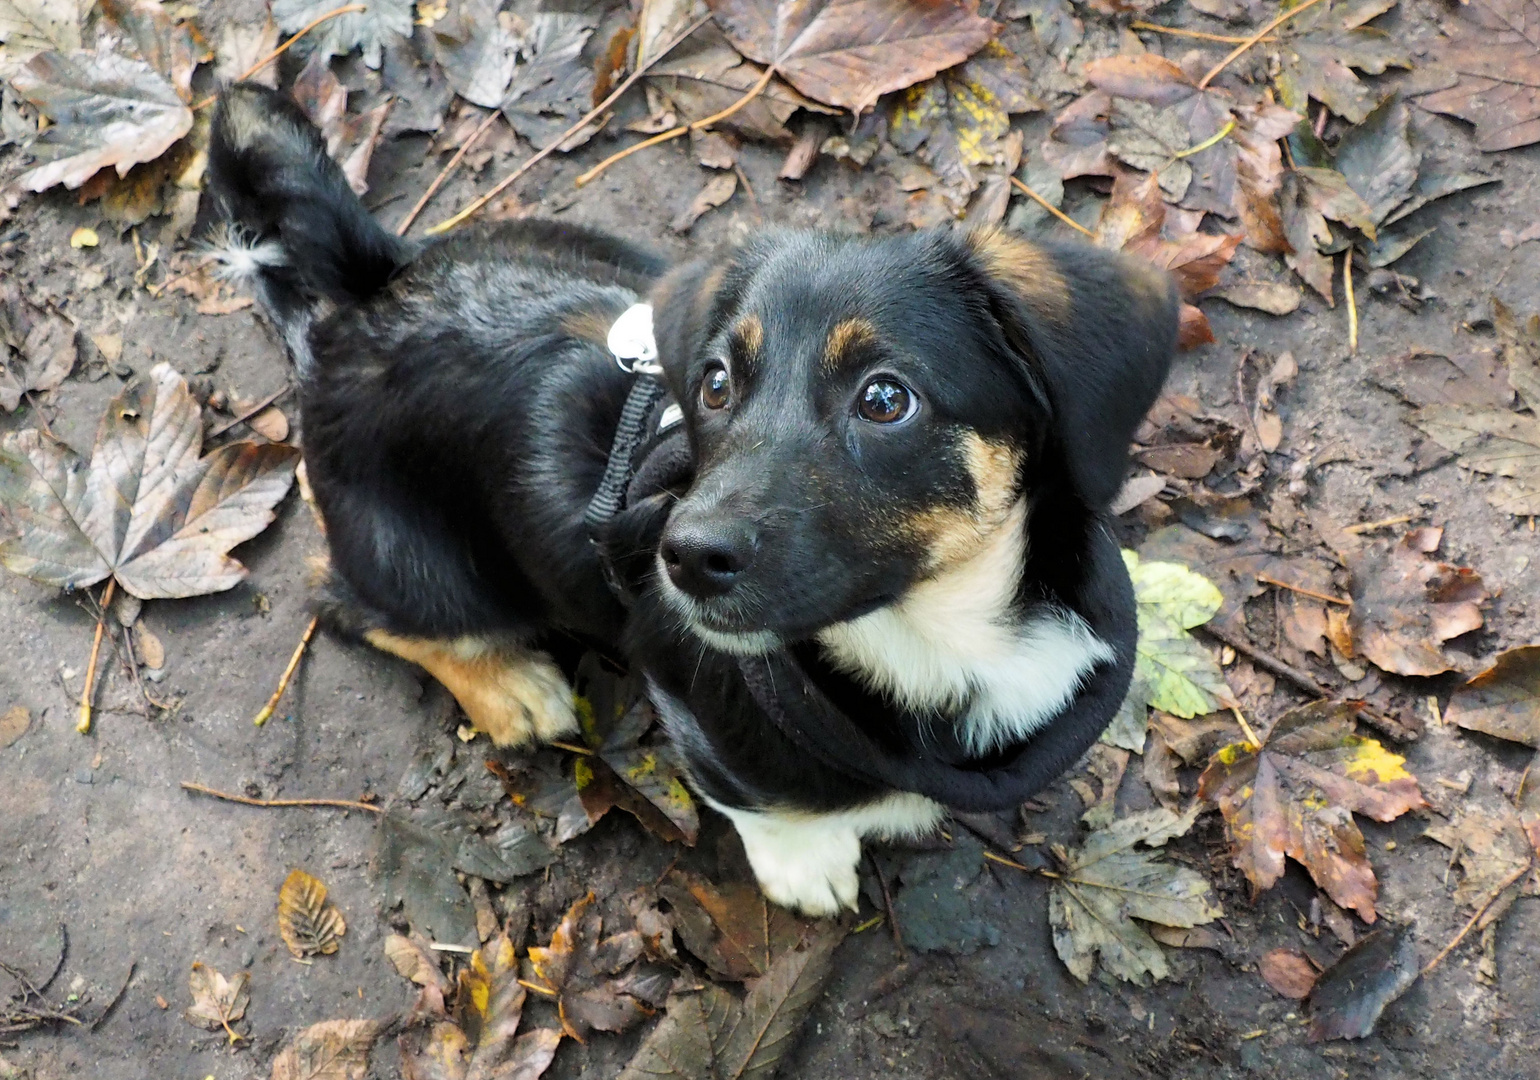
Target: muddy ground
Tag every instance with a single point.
(97, 837)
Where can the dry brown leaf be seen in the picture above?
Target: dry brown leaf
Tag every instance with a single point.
(1493, 851)
(1520, 339)
(148, 509)
(579, 969)
(850, 54)
(148, 647)
(731, 928)
(1503, 700)
(1315, 55)
(1407, 604)
(705, 75)
(1295, 796)
(1287, 972)
(241, 47)
(309, 925)
(1493, 47)
(1494, 442)
(271, 424)
(330, 1050)
(47, 355)
(218, 1002)
(14, 724)
(716, 191)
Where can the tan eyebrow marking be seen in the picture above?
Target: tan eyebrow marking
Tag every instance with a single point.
(747, 338)
(847, 335)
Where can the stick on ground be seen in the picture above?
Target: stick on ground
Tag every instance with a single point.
(83, 724)
(342, 804)
(288, 673)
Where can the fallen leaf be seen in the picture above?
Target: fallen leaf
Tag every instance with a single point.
(308, 924)
(1521, 352)
(553, 86)
(169, 44)
(1493, 442)
(1296, 794)
(1271, 297)
(1377, 159)
(31, 26)
(1493, 851)
(579, 969)
(850, 54)
(477, 46)
(107, 111)
(414, 960)
(47, 356)
(152, 654)
(1494, 51)
(1308, 198)
(1316, 54)
(705, 75)
(218, 1002)
(1287, 972)
(241, 47)
(1424, 378)
(147, 510)
(1503, 700)
(1349, 996)
(330, 1050)
(14, 724)
(716, 191)
(271, 424)
(371, 30)
(731, 928)
(1406, 604)
(1107, 883)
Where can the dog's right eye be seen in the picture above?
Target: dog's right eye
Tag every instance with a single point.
(716, 389)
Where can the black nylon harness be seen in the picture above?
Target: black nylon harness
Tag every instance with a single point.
(649, 456)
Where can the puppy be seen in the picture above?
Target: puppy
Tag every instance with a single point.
(854, 534)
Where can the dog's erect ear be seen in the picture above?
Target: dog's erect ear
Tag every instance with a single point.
(1098, 330)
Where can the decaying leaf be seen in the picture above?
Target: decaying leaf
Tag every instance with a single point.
(1520, 339)
(147, 509)
(370, 30)
(309, 925)
(45, 357)
(731, 928)
(579, 970)
(553, 86)
(1296, 795)
(717, 190)
(850, 54)
(108, 111)
(1503, 700)
(1287, 972)
(478, 48)
(218, 1002)
(1107, 883)
(1406, 603)
(14, 724)
(241, 47)
(1493, 442)
(1271, 297)
(1317, 53)
(705, 75)
(330, 1050)
(1309, 197)
(31, 26)
(1495, 853)
(1494, 50)
(1349, 997)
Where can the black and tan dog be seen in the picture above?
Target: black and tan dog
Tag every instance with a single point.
(883, 581)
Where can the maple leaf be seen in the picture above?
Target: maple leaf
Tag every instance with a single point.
(307, 923)
(1493, 47)
(1296, 794)
(553, 86)
(147, 510)
(370, 30)
(711, 1035)
(107, 111)
(174, 48)
(1316, 54)
(28, 27)
(1494, 442)
(330, 1050)
(848, 53)
(45, 355)
(1107, 883)
(478, 49)
(1407, 604)
(579, 969)
(731, 928)
(1495, 853)
(218, 1002)
(1503, 700)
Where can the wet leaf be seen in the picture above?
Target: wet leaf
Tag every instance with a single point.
(1296, 795)
(147, 509)
(1494, 50)
(218, 1002)
(850, 54)
(579, 968)
(1317, 53)
(1493, 851)
(731, 928)
(371, 30)
(681, 1047)
(1503, 700)
(108, 111)
(1494, 442)
(308, 924)
(1349, 996)
(330, 1050)
(1108, 883)
(552, 86)
(1406, 603)
(413, 864)
(1287, 972)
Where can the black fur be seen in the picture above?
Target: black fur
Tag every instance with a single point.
(458, 407)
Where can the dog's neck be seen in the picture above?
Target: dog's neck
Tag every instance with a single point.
(957, 645)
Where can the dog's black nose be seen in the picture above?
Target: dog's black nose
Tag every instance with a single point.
(704, 558)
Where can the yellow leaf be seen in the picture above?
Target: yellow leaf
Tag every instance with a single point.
(309, 924)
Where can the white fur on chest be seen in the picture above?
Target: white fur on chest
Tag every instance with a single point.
(953, 643)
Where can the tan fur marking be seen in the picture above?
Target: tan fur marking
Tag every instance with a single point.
(512, 695)
(589, 325)
(951, 534)
(847, 334)
(1026, 268)
(751, 333)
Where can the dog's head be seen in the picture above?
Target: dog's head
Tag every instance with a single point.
(869, 413)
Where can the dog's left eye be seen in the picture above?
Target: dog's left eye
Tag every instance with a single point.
(716, 389)
(886, 401)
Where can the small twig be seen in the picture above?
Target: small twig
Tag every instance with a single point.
(1251, 736)
(1383, 523)
(537, 988)
(113, 1004)
(573, 748)
(276, 53)
(1240, 49)
(1052, 209)
(158, 290)
(1328, 597)
(83, 724)
(1302, 679)
(1352, 303)
(743, 178)
(1481, 910)
(1223, 39)
(674, 133)
(343, 804)
(133, 671)
(443, 946)
(887, 904)
(37, 409)
(1003, 861)
(630, 81)
(288, 673)
(249, 413)
(447, 171)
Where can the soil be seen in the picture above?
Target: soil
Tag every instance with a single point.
(98, 837)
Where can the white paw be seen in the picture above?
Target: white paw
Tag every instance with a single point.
(545, 696)
(807, 863)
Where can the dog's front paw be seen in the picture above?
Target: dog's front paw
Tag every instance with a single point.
(808, 865)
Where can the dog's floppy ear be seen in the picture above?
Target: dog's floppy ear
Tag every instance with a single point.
(1098, 330)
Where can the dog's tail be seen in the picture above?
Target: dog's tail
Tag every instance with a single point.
(289, 221)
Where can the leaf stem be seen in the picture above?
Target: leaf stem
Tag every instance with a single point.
(1240, 49)
(83, 724)
(1345, 601)
(1217, 137)
(276, 53)
(288, 673)
(1223, 39)
(1052, 209)
(344, 804)
(1352, 302)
